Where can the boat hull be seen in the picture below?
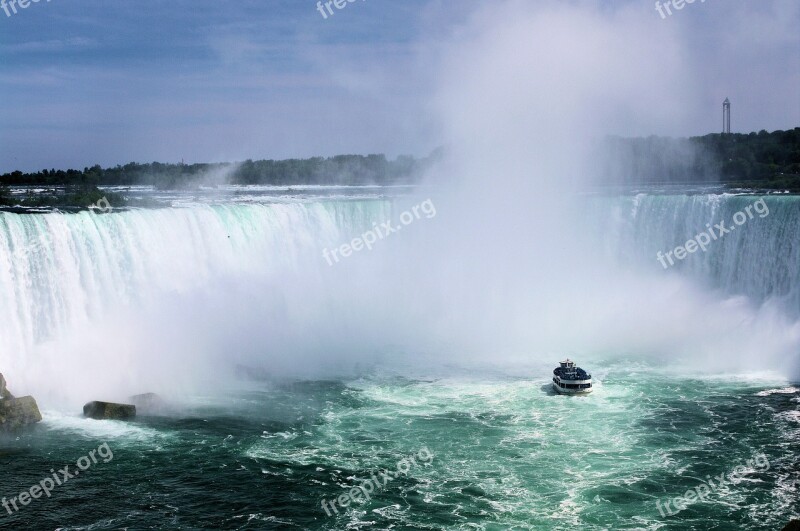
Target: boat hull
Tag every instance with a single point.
(561, 391)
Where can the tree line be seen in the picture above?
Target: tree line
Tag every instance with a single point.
(763, 159)
(338, 170)
(758, 159)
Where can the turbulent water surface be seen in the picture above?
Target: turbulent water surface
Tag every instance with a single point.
(506, 453)
(261, 451)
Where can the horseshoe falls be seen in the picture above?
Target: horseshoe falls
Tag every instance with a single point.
(732, 262)
(290, 381)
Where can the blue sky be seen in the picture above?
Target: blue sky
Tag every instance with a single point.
(108, 82)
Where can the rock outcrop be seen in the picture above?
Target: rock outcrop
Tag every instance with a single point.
(4, 394)
(109, 411)
(794, 525)
(16, 413)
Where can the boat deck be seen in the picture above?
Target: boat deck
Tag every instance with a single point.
(575, 373)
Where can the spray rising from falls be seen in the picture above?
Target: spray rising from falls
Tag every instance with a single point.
(169, 299)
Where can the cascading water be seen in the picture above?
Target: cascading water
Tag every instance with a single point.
(635, 229)
(63, 275)
(62, 272)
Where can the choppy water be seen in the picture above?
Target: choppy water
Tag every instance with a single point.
(506, 454)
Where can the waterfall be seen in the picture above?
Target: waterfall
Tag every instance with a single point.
(169, 291)
(760, 258)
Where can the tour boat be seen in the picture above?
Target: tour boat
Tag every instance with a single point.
(571, 380)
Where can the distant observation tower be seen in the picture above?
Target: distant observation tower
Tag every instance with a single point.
(726, 116)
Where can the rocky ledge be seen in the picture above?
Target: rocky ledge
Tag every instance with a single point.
(16, 413)
(109, 411)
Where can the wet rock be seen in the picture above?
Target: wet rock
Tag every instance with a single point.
(16, 413)
(794, 525)
(4, 394)
(109, 411)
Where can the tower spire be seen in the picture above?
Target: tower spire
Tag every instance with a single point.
(726, 116)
